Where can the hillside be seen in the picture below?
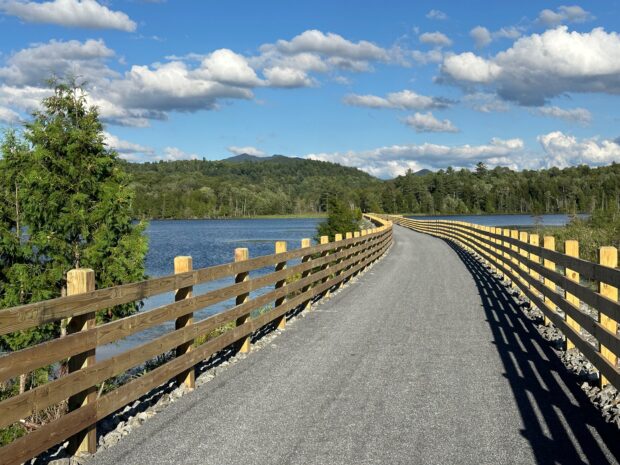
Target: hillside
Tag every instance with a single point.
(245, 185)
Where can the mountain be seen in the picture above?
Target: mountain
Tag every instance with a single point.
(247, 157)
(246, 185)
(423, 172)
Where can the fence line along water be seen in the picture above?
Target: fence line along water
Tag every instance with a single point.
(579, 297)
(321, 268)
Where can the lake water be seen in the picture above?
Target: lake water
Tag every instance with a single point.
(505, 220)
(209, 243)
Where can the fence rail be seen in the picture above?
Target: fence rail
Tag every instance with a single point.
(320, 268)
(557, 283)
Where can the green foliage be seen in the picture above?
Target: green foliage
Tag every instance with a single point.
(278, 185)
(341, 218)
(501, 190)
(66, 203)
(601, 229)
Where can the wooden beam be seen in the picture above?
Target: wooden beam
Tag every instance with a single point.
(242, 254)
(608, 256)
(183, 264)
(280, 248)
(80, 281)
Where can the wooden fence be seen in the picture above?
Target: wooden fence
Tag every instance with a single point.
(320, 268)
(579, 297)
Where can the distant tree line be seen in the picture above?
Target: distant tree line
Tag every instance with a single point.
(281, 185)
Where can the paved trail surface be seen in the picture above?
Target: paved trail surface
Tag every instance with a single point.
(424, 360)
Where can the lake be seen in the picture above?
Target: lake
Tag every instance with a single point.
(209, 243)
(505, 220)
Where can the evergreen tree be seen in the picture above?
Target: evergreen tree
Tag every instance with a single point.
(341, 218)
(66, 204)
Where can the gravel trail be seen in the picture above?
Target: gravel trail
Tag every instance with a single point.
(426, 359)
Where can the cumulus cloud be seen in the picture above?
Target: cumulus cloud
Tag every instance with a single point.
(565, 150)
(228, 67)
(436, 38)
(470, 68)
(70, 13)
(483, 37)
(127, 150)
(564, 14)
(34, 64)
(576, 115)
(403, 100)
(426, 122)
(330, 44)
(541, 66)
(436, 14)
(287, 77)
(174, 153)
(235, 150)
(394, 160)
(287, 63)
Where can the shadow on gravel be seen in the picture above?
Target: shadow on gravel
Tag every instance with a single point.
(561, 424)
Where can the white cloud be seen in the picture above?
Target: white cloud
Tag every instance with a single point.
(431, 56)
(287, 77)
(127, 150)
(174, 153)
(287, 63)
(235, 150)
(564, 150)
(426, 122)
(481, 35)
(390, 161)
(577, 115)
(436, 14)
(35, 64)
(541, 66)
(330, 44)
(71, 13)
(8, 116)
(228, 67)
(471, 68)
(403, 100)
(564, 14)
(435, 38)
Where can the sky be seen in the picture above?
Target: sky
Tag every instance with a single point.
(381, 86)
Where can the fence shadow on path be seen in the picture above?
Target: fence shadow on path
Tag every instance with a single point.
(560, 423)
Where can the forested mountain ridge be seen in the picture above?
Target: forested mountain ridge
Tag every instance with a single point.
(247, 185)
(233, 188)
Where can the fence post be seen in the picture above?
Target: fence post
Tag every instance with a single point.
(242, 254)
(507, 262)
(280, 248)
(80, 281)
(304, 274)
(549, 243)
(338, 238)
(356, 234)
(348, 235)
(535, 241)
(524, 237)
(183, 264)
(608, 256)
(571, 248)
(325, 240)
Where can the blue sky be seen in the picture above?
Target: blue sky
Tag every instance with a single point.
(383, 87)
